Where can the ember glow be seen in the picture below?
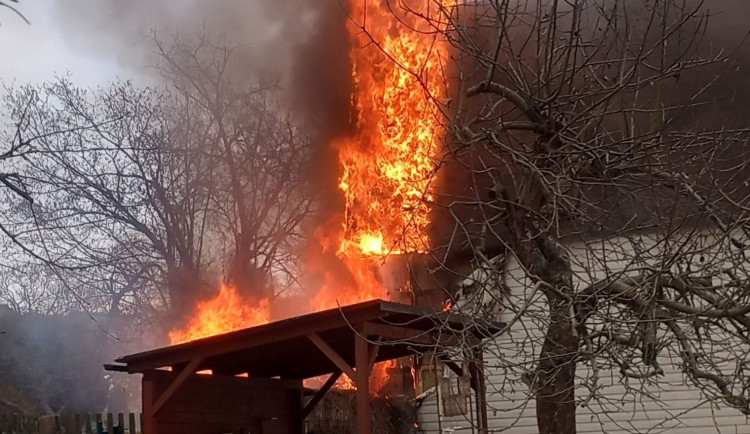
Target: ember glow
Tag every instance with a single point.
(223, 313)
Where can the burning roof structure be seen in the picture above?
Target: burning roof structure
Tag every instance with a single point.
(279, 355)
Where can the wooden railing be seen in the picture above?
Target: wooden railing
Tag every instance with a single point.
(82, 423)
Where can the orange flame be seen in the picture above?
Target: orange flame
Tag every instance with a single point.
(379, 377)
(225, 312)
(388, 166)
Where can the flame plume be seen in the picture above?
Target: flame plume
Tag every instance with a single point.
(387, 166)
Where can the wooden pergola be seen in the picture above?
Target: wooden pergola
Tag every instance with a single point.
(343, 341)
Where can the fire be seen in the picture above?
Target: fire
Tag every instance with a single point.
(223, 313)
(386, 169)
(388, 165)
(379, 377)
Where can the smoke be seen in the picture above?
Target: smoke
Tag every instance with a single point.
(46, 370)
(268, 34)
(304, 46)
(300, 46)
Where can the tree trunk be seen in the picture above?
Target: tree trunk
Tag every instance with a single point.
(548, 264)
(555, 398)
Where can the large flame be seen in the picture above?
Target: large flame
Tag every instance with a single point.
(223, 313)
(387, 166)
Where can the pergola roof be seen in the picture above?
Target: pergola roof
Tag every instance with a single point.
(302, 347)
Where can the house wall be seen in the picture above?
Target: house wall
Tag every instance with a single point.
(612, 404)
(223, 404)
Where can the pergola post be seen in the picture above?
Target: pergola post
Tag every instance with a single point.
(362, 381)
(480, 390)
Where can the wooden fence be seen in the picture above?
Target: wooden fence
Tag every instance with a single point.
(87, 423)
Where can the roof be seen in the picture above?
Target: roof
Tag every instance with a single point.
(283, 348)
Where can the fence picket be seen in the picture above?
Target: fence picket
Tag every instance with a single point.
(131, 420)
(71, 423)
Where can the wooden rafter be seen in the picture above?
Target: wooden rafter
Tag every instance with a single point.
(175, 384)
(405, 334)
(332, 355)
(373, 355)
(320, 394)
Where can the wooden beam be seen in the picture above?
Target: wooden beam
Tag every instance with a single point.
(175, 384)
(399, 333)
(480, 392)
(320, 394)
(115, 368)
(373, 355)
(362, 381)
(332, 355)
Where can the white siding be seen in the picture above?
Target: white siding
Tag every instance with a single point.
(666, 404)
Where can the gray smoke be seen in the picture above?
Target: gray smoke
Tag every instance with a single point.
(302, 46)
(268, 35)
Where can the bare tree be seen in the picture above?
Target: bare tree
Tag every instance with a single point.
(141, 195)
(595, 171)
(260, 196)
(13, 9)
(113, 184)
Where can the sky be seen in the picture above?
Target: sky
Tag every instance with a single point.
(41, 50)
